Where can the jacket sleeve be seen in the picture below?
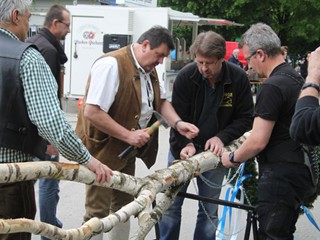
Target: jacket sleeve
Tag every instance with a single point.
(242, 116)
(182, 103)
(305, 125)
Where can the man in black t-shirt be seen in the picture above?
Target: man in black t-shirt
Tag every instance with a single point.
(284, 179)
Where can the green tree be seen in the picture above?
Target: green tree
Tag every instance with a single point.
(296, 22)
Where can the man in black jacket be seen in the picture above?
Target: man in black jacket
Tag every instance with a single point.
(56, 27)
(234, 58)
(215, 96)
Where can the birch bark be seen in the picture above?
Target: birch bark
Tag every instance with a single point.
(145, 190)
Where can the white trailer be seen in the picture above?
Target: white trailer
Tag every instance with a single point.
(89, 25)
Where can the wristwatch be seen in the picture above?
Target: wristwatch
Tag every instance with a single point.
(310, 84)
(231, 158)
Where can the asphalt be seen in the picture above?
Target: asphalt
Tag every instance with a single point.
(71, 205)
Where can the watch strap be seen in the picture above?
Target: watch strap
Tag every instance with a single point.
(310, 84)
(231, 157)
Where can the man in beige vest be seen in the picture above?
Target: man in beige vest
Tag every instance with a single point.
(122, 92)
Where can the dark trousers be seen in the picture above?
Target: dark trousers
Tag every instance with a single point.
(17, 200)
(281, 190)
(101, 201)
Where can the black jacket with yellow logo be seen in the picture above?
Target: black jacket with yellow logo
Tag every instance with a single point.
(234, 107)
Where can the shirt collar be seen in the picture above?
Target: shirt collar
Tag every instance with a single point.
(10, 34)
(138, 66)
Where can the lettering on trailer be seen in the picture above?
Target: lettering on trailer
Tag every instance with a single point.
(87, 36)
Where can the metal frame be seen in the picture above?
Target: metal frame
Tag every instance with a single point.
(251, 215)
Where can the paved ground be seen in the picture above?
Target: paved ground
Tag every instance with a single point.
(71, 207)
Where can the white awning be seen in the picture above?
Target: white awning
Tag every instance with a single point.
(184, 17)
(217, 22)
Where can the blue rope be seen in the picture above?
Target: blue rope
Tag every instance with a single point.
(236, 188)
(310, 217)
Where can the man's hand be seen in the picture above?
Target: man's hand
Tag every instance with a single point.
(138, 138)
(187, 129)
(215, 145)
(187, 151)
(51, 150)
(314, 67)
(103, 172)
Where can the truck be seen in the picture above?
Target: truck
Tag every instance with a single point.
(97, 29)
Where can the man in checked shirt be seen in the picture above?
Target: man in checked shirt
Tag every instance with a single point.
(27, 88)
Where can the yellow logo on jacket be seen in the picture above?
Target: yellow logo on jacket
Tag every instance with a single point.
(227, 100)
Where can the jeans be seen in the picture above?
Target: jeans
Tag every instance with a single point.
(49, 198)
(205, 226)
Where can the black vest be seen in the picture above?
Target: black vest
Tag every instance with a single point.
(16, 130)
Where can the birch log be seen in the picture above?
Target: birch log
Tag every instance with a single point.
(145, 190)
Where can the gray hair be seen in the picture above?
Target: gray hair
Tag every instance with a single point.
(261, 36)
(209, 44)
(236, 50)
(7, 7)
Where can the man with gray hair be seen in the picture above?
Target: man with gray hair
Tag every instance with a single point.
(214, 95)
(27, 89)
(284, 179)
(234, 58)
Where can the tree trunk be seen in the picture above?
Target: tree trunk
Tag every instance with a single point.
(145, 189)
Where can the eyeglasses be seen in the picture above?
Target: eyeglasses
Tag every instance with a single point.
(66, 24)
(248, 58)
(207, 64)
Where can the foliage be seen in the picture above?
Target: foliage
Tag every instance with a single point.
(250, 185)
(183, 32)
(296, 22)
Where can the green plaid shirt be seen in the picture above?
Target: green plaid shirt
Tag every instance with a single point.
(40, 92)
